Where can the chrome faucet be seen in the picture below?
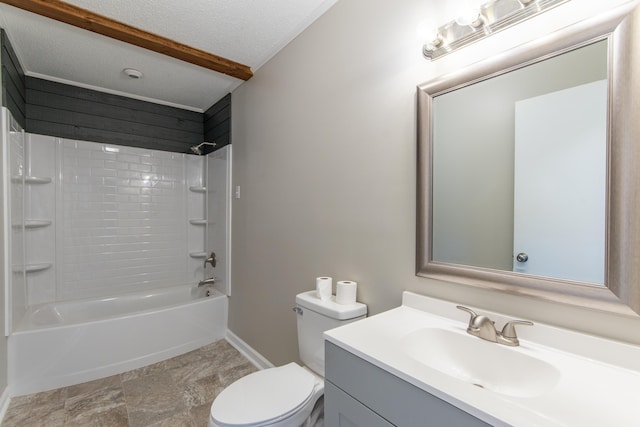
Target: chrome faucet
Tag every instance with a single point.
(209, 281)
(483, 327)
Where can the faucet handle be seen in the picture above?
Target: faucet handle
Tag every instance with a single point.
(211, 260)
(471, 313)
(509, 329)
(508, 335)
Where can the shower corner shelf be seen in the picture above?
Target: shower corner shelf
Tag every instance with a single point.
(198, 254)
(32, 268)
(37, 223)
(37, 179)
(198, 221)
(32, 179)
(197, 189)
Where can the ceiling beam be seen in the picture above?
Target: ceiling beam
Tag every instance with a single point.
(87, 20)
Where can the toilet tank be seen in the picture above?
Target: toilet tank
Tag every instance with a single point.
(316, 316)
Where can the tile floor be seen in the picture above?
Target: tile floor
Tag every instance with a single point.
(174, 393)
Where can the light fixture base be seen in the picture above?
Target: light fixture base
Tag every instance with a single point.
(496, 15)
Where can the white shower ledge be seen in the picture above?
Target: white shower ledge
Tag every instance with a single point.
(31, 179)
(593, 381)
(197, 189)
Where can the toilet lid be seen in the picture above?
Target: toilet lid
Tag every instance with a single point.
(263, 396)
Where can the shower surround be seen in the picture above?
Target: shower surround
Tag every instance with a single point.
(97, 228)
(120, 219)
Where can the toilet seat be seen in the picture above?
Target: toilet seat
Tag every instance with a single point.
(272, 394)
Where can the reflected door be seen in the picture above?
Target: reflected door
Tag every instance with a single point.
(560, 184)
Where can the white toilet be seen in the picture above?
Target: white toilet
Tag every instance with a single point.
(287, 395)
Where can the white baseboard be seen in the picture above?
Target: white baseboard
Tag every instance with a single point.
(247, 351)
(5, 399)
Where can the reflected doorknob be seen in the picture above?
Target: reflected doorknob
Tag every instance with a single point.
(522, 257)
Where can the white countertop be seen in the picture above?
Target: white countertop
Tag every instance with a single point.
(599, 383)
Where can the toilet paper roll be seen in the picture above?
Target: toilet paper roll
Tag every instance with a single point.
(324, 287)
(346, 292)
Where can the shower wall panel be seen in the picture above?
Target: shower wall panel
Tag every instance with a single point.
(219, 216)
(91, 219)
(122, 219)
(16, 262)
(197, 222)
(40, 210)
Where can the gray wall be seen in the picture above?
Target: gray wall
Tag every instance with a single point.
(324, 142)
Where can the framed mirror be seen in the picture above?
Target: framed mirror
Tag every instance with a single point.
(529, 173)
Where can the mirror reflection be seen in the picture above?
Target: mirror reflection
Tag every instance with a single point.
(519, 169)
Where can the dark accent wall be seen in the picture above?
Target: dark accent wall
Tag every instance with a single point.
(66, 111)
(13, 81)
(217, 123)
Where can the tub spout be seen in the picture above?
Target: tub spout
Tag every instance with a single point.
(209, 281)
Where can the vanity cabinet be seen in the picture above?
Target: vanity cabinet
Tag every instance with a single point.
(359, 394)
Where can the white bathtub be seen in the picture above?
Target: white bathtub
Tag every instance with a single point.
(66, 343)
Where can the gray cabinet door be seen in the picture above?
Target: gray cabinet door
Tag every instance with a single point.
(342, 410)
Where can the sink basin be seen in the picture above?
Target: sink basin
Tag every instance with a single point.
(488, 365)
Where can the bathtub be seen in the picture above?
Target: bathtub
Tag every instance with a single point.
(65, 343)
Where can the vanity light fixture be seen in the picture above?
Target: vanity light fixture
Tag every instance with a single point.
(476, 24)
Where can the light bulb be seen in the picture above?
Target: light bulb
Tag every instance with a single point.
(470, 17)
(425, 32)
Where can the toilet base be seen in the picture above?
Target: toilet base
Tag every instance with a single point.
(316, 419)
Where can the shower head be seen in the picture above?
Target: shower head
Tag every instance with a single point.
(197, 149)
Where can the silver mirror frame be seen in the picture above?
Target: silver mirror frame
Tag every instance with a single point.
(621, 293)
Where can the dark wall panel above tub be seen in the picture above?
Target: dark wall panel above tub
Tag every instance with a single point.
(217, 122)
(13, 81)
(67, 111)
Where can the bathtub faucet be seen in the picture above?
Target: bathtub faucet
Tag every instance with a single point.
(209, 281)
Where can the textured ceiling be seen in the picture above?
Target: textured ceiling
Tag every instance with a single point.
(245, 31)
